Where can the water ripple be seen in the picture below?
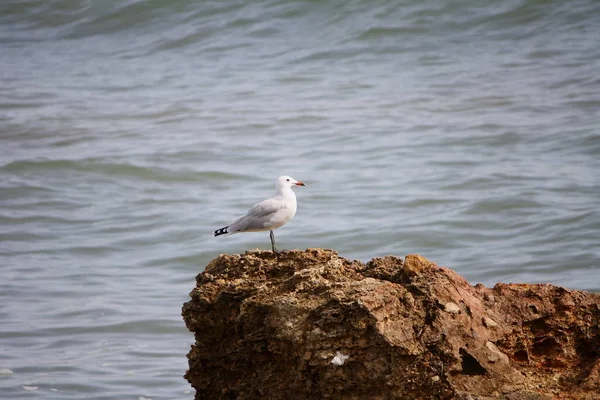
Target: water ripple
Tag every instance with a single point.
(130, 130)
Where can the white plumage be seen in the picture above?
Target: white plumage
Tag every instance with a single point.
(269, 214)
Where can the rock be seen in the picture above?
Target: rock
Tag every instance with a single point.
(310, 324)
(415, 264)
(495, 355)
(452, 308)
(339, 359)
(489, 323)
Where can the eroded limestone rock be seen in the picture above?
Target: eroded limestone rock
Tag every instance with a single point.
(268, 327)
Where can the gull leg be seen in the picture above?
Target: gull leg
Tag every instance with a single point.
(273, 243)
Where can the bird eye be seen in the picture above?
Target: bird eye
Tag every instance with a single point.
(287, 180)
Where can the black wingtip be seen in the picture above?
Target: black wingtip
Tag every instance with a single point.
(222, 231)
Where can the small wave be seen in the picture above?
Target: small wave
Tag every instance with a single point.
(40, 218)
(186, 39)
(497, 206)
(120, 170)
(379, 32)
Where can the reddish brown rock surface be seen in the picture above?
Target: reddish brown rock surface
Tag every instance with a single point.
(269, 327)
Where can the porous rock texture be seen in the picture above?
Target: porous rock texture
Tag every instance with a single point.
(313, 325)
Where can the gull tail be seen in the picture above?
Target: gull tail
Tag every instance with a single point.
(222, 231)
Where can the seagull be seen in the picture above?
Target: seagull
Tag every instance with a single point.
(268, 214)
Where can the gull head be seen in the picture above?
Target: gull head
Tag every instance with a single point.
(287, 182)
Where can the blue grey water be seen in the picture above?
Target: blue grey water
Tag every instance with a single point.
(466, 131)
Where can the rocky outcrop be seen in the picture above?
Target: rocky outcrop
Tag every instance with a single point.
(313, 325)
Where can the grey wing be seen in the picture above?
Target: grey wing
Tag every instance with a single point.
(257, 217)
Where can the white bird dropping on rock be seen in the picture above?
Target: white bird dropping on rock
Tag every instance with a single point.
(268, 214)
(339, 359)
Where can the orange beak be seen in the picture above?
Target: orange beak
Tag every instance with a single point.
(300, 183)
